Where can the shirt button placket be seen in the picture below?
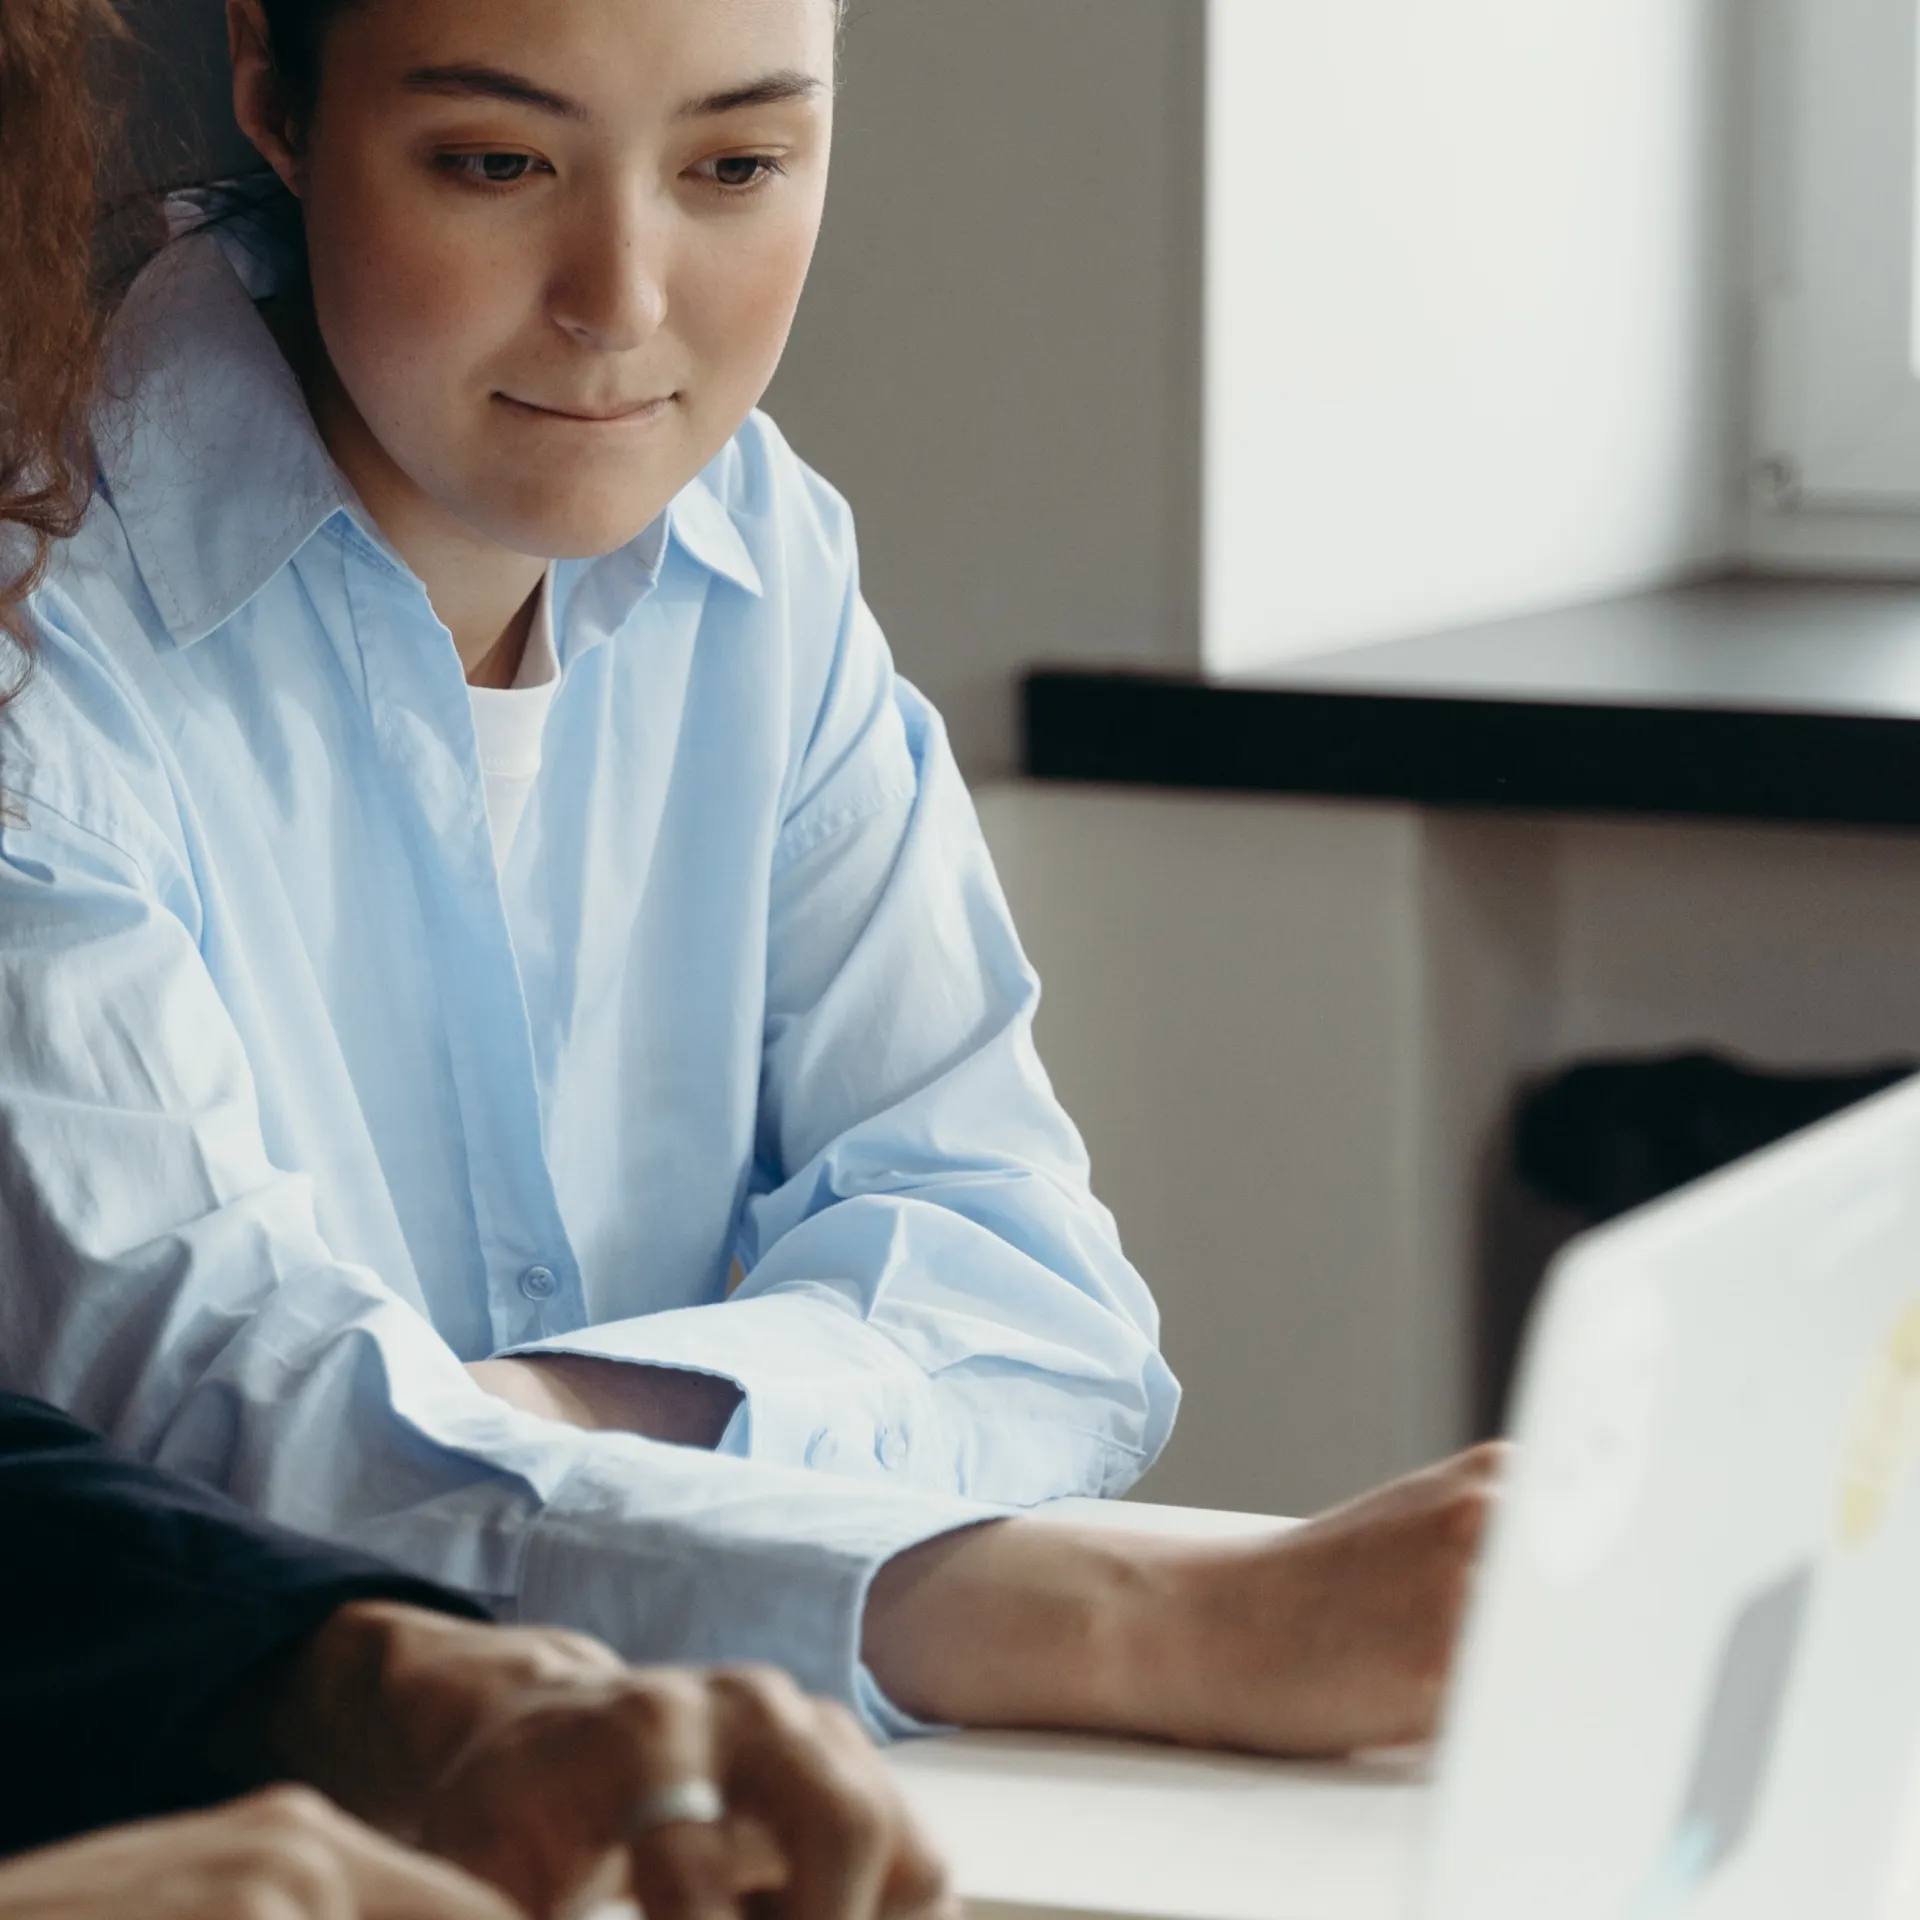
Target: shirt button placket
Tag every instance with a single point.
(539, 1283)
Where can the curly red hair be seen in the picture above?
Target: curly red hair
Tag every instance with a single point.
(49, 318)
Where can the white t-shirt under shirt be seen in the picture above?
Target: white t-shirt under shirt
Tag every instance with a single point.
(509, 722)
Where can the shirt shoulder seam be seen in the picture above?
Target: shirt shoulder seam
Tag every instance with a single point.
(20, 801)
(810, 831)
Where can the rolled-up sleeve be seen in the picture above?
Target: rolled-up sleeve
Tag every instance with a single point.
(168, 1284)
(932, 1294)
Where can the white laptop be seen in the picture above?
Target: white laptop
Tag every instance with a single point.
(1691, 1681)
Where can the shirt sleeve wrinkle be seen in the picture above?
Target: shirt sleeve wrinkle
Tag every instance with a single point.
(858, 756)
(932, 1295)
(161, 1277)
(77, 749)
(843, 761)
(923, 1199)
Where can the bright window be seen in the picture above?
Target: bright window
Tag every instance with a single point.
(1841, 367)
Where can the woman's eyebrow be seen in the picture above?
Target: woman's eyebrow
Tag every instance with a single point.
(773, 90)
(491, 83)
(472, 79)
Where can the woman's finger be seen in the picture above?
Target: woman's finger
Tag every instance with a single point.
(682, 1860)
(827, 1798)
(918, 1885)
(392, 1882)
(755, 1859)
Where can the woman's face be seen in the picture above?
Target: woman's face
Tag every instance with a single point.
(556, 245)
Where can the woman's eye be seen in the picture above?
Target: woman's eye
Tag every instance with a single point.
(741, 172)
(492, 169)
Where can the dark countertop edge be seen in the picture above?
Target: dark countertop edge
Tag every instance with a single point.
(1179, 732)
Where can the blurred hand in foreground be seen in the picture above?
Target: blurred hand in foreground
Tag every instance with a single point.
(524, 1755)
(285, 1854)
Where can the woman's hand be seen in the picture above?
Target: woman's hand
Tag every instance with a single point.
(280, 1855)
(523, 1755)
(1325, 1639)
(1339, 1635)
(812, 1813)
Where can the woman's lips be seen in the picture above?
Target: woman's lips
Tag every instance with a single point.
(607, 415)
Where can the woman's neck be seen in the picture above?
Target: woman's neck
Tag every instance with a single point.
(483, 593)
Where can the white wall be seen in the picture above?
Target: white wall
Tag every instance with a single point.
(1787, 532)
(1799, 946)
(1469, 330)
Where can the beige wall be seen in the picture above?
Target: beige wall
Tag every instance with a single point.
(1291, 1031)
(1234, 1014)
(999, 358)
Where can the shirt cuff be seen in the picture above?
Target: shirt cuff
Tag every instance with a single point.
(886, 1722)
(819, 1386)
(758, 1563)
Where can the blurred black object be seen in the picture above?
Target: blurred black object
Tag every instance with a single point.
(1601, 1137)
(1605, 1136)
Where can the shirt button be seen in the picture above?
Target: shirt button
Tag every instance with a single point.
(892, 1448)
(822, 1450)
(539, 1283)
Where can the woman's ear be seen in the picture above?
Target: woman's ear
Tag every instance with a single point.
(260, 102)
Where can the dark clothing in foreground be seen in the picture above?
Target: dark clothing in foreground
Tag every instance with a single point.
(133, 1604)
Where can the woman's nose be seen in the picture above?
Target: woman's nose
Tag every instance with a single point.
(612, 293)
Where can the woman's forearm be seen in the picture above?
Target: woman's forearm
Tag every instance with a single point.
(617, 1396)
(1017, 1623)
(1316, 1640)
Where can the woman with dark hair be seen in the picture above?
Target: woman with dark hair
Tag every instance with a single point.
(477, 881)
(162, 1649)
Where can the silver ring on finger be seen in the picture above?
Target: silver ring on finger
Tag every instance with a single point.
(695, 1802)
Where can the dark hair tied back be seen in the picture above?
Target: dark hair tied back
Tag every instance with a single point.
(296, 32)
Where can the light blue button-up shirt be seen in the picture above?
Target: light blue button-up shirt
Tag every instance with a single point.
(303, 1103)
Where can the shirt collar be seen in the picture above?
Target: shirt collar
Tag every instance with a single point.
(700, 523)
(212, 460)
(205, 442)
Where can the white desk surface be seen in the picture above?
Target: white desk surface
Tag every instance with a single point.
(1043, 1824)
